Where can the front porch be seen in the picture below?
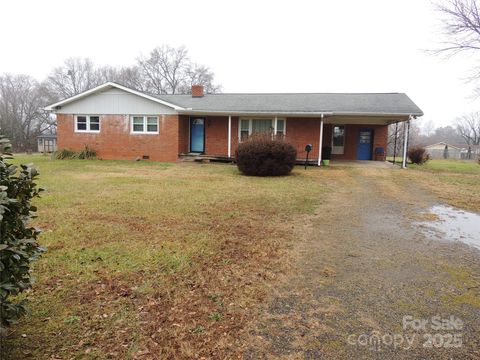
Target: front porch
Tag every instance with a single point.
(363, 164)
(202, 158)
(195, 157)
(347, 138)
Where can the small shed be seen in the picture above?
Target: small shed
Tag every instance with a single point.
(47, 143)
(438, 151)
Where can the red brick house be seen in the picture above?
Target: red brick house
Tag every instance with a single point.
(121, 123)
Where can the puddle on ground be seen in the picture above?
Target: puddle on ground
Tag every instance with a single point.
(454, 225)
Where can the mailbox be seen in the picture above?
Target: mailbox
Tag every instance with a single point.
(308, 148)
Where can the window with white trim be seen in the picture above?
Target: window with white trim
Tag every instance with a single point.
(281, 127)
(87, 123)
(144, 124)
(258, 125)
(244, 129)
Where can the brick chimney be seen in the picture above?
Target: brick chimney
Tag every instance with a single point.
(197, 90)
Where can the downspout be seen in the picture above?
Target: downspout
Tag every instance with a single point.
(320, 143)
(408, 137)
(229, 144)
(275, 127)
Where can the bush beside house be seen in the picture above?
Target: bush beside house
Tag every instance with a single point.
(262, 155)
(86, 154)
(418, 155)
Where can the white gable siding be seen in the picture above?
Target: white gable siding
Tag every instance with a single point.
(115, 102)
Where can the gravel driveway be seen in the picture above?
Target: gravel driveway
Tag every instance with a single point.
(366, 283)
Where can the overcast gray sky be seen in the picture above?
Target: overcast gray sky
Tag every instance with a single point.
(254, 46)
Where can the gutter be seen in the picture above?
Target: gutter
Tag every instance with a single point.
(257, 113)
(289, 113)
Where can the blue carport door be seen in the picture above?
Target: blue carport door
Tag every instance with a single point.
(364, 150)
(197, 135)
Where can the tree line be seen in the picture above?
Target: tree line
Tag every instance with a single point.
(464, 132)
(460, 21)
(166, 70)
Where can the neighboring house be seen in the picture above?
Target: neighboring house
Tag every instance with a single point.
(47, 143)
(437, 151)
(121, 123)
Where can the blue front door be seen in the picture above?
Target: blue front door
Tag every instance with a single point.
(364, 150)
(197, 135)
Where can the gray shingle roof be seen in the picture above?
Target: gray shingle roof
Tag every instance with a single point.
(341, 103)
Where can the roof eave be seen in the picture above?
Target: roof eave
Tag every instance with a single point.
(295, 113)
(252, 113)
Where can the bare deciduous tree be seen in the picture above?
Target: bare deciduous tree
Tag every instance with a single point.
(73, 77)
(164, 69)
(428, 128)
(461, 25)
(446, 134)
(131, 77)
(169, 70)
(468, 127)
(196, 74)
(22, 117)
(398, 131)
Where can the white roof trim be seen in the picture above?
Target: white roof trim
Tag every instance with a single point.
(108, 85)
(250, 113)
(294, 113)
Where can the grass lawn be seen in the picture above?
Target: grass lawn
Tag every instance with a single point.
(457, 182)
(449, 166)
(150, 260)
(154, 260)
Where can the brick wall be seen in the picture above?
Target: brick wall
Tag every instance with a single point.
(183, 134)
(352, 131)
(380, 138)
(116, 142)
(216, 135)
(299, 132)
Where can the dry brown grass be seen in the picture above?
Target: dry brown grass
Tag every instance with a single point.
(455, 186)
(148, 261)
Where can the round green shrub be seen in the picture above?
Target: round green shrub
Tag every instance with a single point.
(260, 155)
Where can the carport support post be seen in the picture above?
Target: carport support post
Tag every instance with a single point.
(321, 141)
(406, 128)
(395, 143)
(229, 136)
